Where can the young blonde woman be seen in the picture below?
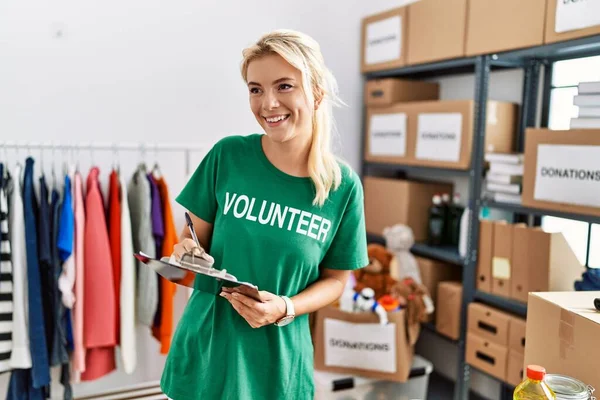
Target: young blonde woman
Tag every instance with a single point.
(277, 210)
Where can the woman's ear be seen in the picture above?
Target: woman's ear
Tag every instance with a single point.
(318, 98)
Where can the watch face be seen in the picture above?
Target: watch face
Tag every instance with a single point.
(284, 321)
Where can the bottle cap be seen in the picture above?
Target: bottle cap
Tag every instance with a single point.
(445, 197)
(437, 200)
(536, 372)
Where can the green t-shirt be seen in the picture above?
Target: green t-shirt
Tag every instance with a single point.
(267, 232)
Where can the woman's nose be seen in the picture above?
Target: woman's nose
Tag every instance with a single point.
(270, 101)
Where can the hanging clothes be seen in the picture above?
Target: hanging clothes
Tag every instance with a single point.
(45, 263)
(114, 226)
(65, 244)
(99, 322)
(6, 280)
(21, 353)
(158, 232)
(164, 331)
(139, 197)
(21, 387)
(128, 290)
(78, 306)
(40, 372)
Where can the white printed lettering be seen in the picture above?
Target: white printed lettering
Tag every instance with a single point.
(249, 216)
(228, 202)
(313, 226)
(294, 212)
(302, 221)
(278, 215)
(261, 218)
(237, 213)
(324, 229)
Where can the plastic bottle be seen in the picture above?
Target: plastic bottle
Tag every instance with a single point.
(534, 387)
(436, 222)
(455, 213)
(447, 223)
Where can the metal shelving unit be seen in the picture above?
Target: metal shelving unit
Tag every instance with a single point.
(531, 60)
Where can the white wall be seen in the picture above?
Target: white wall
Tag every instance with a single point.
(167, 72)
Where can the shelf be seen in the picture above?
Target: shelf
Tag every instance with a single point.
(445, 253)
(517, 208)
(434, 172)
(447, 67)
(430, 327)
(580, 47)
(506, 304)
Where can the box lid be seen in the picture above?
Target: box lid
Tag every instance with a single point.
(579, 303)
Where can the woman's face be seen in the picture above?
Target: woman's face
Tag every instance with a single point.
(277, 99)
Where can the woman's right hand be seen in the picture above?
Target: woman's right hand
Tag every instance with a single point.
(187, 246)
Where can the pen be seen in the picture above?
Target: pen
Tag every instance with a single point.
(190, 225)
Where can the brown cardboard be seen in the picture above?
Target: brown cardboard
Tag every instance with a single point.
(534, 137)
(448, 306)
(500, 25)
(484, 257)
(399, 62)
(436, 30)
(516, 335)
(500, 129)
(385, 92)
(562, 334)
(542, 262)
(550, 34)
(515, 368)
(520, 262)
(488, 323)
(486, 356)
(404, 352)
(395, 201)
(433, 272)
(502, 258)
(399, 108)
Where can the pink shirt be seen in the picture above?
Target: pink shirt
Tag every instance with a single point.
(99, 326)
(79, 350)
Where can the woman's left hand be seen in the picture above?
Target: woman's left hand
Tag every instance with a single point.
(257, 314)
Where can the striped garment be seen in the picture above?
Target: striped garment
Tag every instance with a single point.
(6, 289)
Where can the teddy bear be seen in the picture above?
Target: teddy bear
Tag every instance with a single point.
(399, 239)
(376, 275)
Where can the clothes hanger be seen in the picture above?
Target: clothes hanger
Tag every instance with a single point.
(53, 159)
(156, 169)
(115, 162)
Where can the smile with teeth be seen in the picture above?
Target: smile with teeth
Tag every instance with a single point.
(276, 118)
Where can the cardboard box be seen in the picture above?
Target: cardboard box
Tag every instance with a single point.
(502, 258)
(562, 334)
(516, 335)
(575, 19)
(436, 30)
(487, 356)
(488, 323)
(501, 25)
(385, 92)
(448, 306)
(433, 272)
(484, 257)
(383, 44)
(562, 170)
(395, 201)
(542, 262)
(388, 137)
(443, 132)
(515, 368)
(356, 344)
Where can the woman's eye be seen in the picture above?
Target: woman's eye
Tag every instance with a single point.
(285, 86)
(254, 90)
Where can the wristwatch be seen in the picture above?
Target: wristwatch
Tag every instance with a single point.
(290, 313)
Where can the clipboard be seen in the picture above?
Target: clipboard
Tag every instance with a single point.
(175, 271)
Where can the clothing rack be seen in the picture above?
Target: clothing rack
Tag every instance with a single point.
(143, 147)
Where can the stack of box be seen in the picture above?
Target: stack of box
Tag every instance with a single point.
(504, 177)
(588, 101)
(515, 259)
(495, 343)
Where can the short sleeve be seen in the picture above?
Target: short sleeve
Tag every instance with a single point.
(348, 249)
(199, 193)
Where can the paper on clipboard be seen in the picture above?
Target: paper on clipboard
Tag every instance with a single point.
(175, 272)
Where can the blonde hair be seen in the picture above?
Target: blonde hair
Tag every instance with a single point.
(304, 53)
